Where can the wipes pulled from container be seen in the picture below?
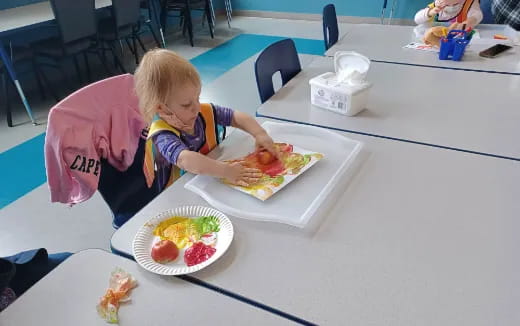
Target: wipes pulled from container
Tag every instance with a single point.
(346, 90)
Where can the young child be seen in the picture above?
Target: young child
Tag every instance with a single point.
(461, 13)
(182, 130)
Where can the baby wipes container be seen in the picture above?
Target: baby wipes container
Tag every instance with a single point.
(345, 91)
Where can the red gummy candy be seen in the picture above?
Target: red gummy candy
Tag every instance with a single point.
(198, 253)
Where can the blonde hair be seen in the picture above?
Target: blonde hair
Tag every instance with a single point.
(158, 74)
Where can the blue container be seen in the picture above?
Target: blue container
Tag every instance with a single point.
(446, 49)
(453, 45)
(458, 49)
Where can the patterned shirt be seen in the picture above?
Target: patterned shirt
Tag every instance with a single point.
(170, 146)
(507, 12)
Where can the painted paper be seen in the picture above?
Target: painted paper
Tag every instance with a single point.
(278, 173)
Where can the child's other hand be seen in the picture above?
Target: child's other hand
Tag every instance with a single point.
(434, 11)
(240, 175)
(264, 141)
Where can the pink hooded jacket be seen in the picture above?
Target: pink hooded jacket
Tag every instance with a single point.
(101, 120)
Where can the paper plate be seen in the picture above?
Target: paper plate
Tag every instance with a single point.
(144, 240)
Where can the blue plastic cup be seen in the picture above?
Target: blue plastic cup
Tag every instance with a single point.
(458, 49)
(446, 49)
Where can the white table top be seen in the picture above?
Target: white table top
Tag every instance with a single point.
(406, 102)
(77, 284)
(385, 43)
(420, 236)
(40, 12)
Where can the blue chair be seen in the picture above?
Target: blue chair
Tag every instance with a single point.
(280, 56)
(485, 6)
(330, 26)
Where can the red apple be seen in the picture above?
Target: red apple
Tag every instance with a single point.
(164, 251)
(264, 157)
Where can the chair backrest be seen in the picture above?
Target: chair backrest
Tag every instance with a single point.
(330, 26)
(76, 19)
(485, 6)
(126, 12)
(280, 56)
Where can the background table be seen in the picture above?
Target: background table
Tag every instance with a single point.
(14, 19)
(19, 17)
(69, 294)
(385, 43)
(420, 236)
(457, 109)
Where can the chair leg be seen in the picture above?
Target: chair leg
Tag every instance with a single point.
(190, 25)
(212, 9)
(132, 49)
(228, 12)
(39, 82)
(141, 43)
(117, 61)
(136, 55)
(121, 49)
(209, 17)
(164, 17)
(78, 70)
(184, 27)
(66, 81)
(154, 35)
(46, 81)
(5, 87)
(114, 55)
(102, 57)
(158, 10)
(87, 66)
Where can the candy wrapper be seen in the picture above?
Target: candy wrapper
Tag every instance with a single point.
(120, 285)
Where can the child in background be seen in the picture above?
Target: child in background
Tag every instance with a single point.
(182, 130)
(461, 13)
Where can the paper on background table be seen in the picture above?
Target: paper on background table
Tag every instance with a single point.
(306, 198)
(421, 47)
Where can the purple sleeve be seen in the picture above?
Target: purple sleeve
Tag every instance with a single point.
(223, 115)
(169, 145)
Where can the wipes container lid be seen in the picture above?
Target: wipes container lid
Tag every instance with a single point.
(351, 67)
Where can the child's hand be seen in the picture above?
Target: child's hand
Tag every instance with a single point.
(264, 141)
(434, 11)
(239, 175)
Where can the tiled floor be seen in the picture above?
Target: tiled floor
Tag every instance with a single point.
(32, 221)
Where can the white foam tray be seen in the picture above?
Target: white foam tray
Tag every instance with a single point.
(301, 200)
